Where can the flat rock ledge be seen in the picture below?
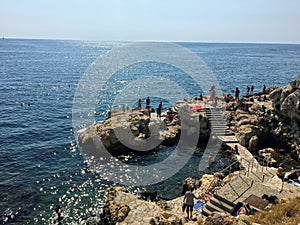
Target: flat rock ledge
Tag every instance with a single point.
(125, 132)
(123, 208)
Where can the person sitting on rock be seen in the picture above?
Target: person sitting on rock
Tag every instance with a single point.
(245, 209)
(205, 197)
(235, 149)
(265, 98)
(170, 115)
(188, 200)
(147, 111)
(294, 175)
(281, 172)
(200, 98)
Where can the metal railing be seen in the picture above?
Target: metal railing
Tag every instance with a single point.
(250, 163)
(264, 162)
(228, 168)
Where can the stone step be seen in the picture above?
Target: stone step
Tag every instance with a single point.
(228, 139)
(217, 120)
(220, 131)
(232, 141)
(214, 113)
(206, 212)
(224, 199)
(213, 208)
(220, 126)
(222, 205)
(229, 133)
(217, 205)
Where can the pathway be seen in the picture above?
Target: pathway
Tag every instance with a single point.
(256, 179)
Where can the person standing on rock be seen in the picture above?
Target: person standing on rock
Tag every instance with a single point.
(252, 90)
(139, 104)
(212, 91)
(158, 110)
(264, 89)
(188, 200)
(237, 94)
(148, 102)
(248, 90)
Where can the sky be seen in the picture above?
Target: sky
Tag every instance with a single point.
(262, 21)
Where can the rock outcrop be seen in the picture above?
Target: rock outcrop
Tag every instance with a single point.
(123, 208)
(124, 132)
(114, 212)
(224, 219)
(271, 120)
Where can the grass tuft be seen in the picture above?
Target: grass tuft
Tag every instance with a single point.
(286, 212)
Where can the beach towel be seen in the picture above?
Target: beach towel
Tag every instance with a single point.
(295, 183)
(198, 205)
(196, 107)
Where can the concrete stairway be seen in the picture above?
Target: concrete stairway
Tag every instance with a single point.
(237, 190)
(255, 179)
(218, 122)
(218, 204)
(258, 181)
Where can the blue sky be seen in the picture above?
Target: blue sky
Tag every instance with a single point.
(163, 20)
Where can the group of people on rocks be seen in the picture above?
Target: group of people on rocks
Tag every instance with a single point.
(250, 90)
(148, 109)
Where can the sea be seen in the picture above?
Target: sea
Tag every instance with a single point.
(41, 165)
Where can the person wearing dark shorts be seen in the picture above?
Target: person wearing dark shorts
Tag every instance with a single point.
(188, 200)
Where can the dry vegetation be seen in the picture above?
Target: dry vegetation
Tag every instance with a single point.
(286, 212)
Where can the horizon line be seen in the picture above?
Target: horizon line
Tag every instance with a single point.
(153, 40)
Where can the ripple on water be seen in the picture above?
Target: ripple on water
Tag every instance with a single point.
(40, 164)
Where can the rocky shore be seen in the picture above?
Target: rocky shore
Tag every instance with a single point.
(123, 207)
(166, 130)
(268, 124)
(270, 128)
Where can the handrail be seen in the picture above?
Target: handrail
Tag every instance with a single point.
(250, 167)
(260, 160)
(223, 170)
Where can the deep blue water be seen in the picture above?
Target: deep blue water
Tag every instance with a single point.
(40, 164)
